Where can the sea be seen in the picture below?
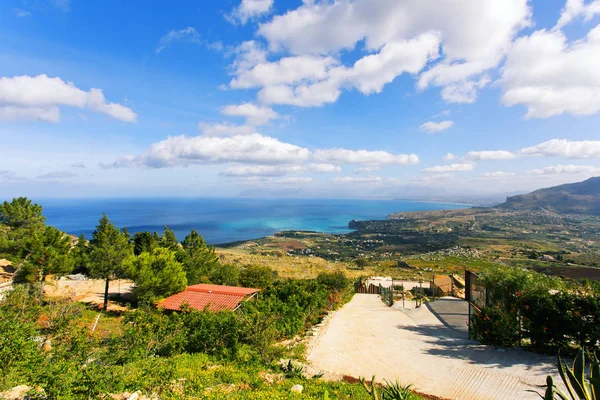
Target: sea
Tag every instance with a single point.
(223, 220)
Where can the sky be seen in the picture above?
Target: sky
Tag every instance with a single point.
(313, 98)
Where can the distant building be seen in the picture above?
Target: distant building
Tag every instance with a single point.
(212, 297)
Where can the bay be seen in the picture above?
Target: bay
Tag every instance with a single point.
(222, 220)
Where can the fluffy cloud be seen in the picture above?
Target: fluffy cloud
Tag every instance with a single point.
(368, 168)
(576, 8)
(249, 9)
(373, 158)
(550, 76)
(356, 179)
(564, 148)
(38, 97)
(474, 36)
(566, 170)
(432, 127)
(449, 157)
(255, 115)
(278, 170)
(308, 81)
(450, 168)
(16, 113)
(225, 129)
(184, 151)
(489, 155)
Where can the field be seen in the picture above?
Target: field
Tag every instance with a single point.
(417, 245)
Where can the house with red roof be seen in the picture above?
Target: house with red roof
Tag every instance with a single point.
(212, 297)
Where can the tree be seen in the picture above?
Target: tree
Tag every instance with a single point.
(109, 248)
(145, 242)
(256, 276)
(168, 240)
(81, 256)
(226, 274)
(21, 213)
(20, 221)
(199, 260)
(361, 263)
(156, 275)
(47, 254)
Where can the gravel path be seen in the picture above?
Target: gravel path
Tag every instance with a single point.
(366, 338)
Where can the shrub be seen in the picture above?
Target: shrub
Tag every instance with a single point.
(257, 276)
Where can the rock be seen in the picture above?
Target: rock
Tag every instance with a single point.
(18, 392)
(134, 396)
(297, 389)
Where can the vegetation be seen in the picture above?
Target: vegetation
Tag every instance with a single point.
(579, 387)
(547, 314)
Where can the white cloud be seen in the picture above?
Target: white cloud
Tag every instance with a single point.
(249, 9)
(449, 157)
(464, 92)
(550, 76)
(188, 34)
(57, 175)
(78, 165)
(450, 168)
(475, 34)
(287, 70)
(368, 168)
(16, 113)
(576, 8)
(309, 81)
(489, 155)
(444, 113)
(564, 148)
(183, 151)
(255, 115)
(498, 175)
(432, 127)
(278, 170)
(19, 12)
(433, 178)
(356, 179)
(373, 158)
(38, 98)
(225, 129)
(9, 176)
(566, 170)
(64, 5)
(294, 180)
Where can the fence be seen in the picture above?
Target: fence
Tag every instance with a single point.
(387, 295)
(360, 286)
(475, 294)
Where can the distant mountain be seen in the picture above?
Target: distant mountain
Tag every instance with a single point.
(572, 198)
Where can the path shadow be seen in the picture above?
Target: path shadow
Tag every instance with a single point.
(449, 343)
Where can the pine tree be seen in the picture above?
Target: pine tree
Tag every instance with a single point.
(109, 248)
(199, 260)
(168, 240)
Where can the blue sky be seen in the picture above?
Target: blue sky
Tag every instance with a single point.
(315, 98)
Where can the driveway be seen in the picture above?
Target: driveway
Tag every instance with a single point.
(366, 338)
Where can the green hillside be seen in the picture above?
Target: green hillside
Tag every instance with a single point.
(573, 198)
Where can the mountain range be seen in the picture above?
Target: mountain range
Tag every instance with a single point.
(572, 198)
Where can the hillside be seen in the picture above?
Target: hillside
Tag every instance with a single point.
(573, 198)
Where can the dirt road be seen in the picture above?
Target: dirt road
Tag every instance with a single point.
(89, 291)
(366, 338)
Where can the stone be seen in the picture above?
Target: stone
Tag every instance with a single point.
(18, 392)
(297, 389)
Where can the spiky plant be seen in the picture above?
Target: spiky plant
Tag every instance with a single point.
(579, 387)
(396, 391)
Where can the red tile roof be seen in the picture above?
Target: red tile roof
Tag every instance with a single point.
(222, 289)
(215, 297)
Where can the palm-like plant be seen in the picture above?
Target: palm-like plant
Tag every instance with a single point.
(579, 387)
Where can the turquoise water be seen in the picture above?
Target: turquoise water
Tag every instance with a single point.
(222, 220)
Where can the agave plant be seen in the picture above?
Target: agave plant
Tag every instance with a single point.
(391, 391)
(578, 386)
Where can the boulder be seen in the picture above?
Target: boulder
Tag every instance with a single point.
(297, 389)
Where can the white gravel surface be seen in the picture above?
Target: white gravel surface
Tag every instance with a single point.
(366, 338)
